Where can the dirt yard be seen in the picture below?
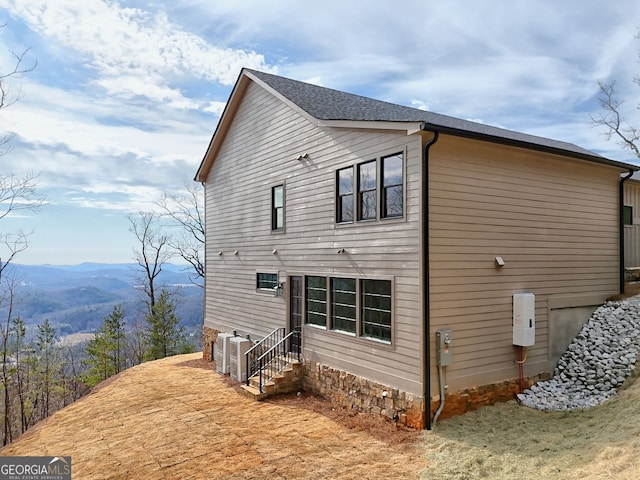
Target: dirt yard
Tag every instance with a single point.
(177, 419)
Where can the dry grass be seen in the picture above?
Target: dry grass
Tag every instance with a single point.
(176, 418)
(509, 441)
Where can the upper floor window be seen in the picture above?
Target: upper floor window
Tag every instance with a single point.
(378, 190)
(345, 195)
(277, 207)
(367, 190)
(392, 186)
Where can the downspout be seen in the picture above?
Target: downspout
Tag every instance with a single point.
(621, 221)
(426, 368)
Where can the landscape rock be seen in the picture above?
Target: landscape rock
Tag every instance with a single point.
(596, 363)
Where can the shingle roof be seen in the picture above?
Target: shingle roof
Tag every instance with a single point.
(328, 104)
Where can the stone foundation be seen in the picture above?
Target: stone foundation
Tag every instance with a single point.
(373, 398)
(363, 395)
(473, 398)
(209, 337)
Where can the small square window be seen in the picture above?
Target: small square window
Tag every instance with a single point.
(266, 281)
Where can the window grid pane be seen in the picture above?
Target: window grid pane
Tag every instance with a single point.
(627, 215)
(392, 186)
(345, 195)
(277, 207)
(343, 304)
(316, 301)
(266, 280)
(375, 310)
(367, 190)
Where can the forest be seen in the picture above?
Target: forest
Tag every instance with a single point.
(66, 329)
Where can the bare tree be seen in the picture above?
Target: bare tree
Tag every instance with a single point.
(7, 300)
(612, 118)
(9, 95)
(152, 253)
(16, 194)
(186, 213)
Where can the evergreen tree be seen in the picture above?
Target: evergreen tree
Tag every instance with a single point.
(48, 365)
(106, 350)
(21, 371)
(164, 337)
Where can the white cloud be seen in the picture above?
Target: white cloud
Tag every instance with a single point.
(216, 108)
(128, 92)
(129, 42)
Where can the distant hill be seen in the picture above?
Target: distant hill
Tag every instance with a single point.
(76, 298)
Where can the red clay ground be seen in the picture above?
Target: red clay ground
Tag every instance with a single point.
(177, 419)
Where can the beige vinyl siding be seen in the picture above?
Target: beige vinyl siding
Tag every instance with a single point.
(260, 151)
(632, 232)
(554, 222)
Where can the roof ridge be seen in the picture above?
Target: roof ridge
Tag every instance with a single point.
(328, 104)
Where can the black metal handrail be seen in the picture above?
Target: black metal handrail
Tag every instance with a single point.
(277, 358)
(259, 348)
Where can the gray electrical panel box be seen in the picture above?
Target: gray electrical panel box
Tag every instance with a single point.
(524, 319)
(444, 356)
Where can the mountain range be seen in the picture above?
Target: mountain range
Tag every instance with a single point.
(76, 298)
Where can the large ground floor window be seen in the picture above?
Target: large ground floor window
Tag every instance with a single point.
(360, 307)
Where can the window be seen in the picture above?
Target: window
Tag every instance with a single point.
(277, 207)
(266, 280)
(392, 188)
(627, 215)
(344, 211)
(316, 301)
(343, 304)
(367, 191)
(379, 188)
(375, 309)
(358, 307)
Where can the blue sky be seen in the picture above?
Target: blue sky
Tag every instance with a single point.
(127, 94)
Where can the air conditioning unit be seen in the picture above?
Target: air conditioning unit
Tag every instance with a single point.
(237, 359)
(221, 353)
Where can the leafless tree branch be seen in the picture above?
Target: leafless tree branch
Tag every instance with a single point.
(186, 212)
(611, 118)
(152, 252)
(7, 94)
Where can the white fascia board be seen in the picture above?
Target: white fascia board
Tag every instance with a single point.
(409, 127)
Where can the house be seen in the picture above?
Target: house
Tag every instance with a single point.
(431, 264)
(631, 221)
